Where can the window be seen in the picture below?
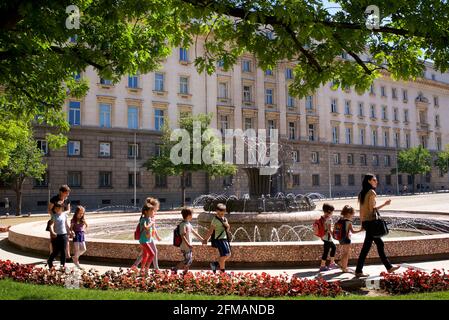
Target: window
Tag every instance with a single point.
(347, 107)
(422, 117)
(395, 114)
(363, 159)
(400, 179)
(184, 85)
(158, 81)
(247, 93)
(337, 179)
(337, 158)
(271, 126)
(351, 180)
(187, 180)
(288, 73)
(374, 137)
(133, 81)
(248, 123)
(43, 182)
(246, 65)
(223, 90)
(362, 136)
(268, 72)
(438, 143)
(348, 134)
(133, 150)
(409, 179)
(105, 115)
(404, 95)
(158, 119)
(335, 134)
(361, 113)
(291, 131)
(435, 101)
(74, 179)
(295, 156)
(437, 121)
(309, 102)
(406, 116)
(268, 96)
(394, 93)
(43, 146)
(383, 92)
(131, 176)
(105, 149)
(371, 89)
(387, 161)
(290, 101)
(133, 117)
(315, 180)
(183, 55)
(375, 160)
(424, 141)
(350, 159)
(373, 111)
(220, 63)
(388, 179)
(158, 150)
(386, 139)
(74, 148)
(106, 82)
(227, 181)
(296, 180)
(428, 177)
(160, 181)
(397, 139)
(74, 113)
(105, 179)
(384, 113)
(407, 140)
(315, 157)
(224, 123)
(311, 132)
(334, 106)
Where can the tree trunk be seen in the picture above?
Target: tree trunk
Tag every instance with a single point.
(18, 191)
(183, 189)
(413, 183)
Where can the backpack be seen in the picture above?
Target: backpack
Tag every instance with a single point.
(318, 227)
(137, 231)
(177, 239)
(339, 230)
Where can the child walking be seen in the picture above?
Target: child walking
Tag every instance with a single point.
(58, 233)
(78, 225)
(186, 231)
(146, 237)
(156, 205)
(328, 245)
(346, 229)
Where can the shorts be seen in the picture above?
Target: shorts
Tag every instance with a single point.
(223, 247)
(345, 241)
(188, 257)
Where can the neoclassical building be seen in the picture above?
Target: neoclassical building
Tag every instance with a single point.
(331, 138)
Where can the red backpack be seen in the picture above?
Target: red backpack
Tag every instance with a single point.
(339, 230)
(137, 231)
(177, 238)
(318, 227)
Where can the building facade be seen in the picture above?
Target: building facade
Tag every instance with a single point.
(333, 137)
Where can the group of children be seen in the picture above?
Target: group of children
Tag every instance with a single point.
(341, 231)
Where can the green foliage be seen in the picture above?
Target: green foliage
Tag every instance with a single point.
(442, 161)
(414, 161)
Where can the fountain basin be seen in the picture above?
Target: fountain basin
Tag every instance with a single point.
(32, 237)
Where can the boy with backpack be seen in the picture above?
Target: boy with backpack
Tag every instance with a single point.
(323, 229)
(183, 237)
(342, 232)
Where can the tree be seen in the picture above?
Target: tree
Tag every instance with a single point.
(414, 161)
(37, 62)
(181, 145)
(442, 160)
(25, 162)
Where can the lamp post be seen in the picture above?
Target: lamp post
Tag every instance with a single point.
(397, 168)
(329, 169)
(135, 170)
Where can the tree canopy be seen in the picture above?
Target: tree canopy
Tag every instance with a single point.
(414, 161)
(117, 37)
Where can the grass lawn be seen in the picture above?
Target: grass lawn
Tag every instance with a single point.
(11, 290)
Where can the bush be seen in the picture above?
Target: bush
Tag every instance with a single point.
(414, 281)
(242, 284)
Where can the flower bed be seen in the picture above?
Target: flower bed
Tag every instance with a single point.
(414, 281)
(242, 284)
